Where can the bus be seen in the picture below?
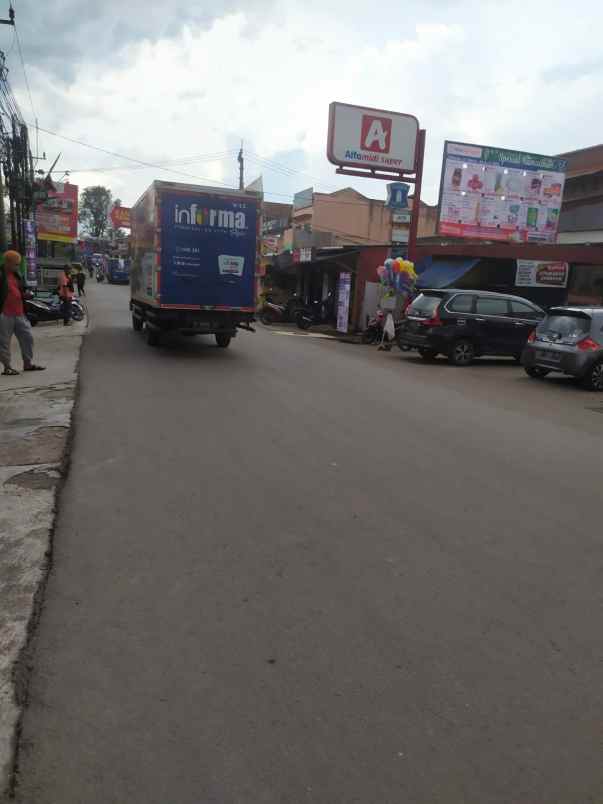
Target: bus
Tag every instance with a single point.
(118, 270)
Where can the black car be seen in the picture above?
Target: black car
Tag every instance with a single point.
(464, 324)
(568, 341)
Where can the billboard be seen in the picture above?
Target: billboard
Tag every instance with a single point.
(540, 274)
(56, 218)
(120, 217)
(362, 137)
(497, 194)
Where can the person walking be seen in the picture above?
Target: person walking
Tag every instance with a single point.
(80, 278)
(66, 294)
(12, 316)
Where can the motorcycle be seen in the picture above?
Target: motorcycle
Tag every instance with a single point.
(100, 275)
(273, 313)
(374, 329)
(319, 312)
(37, 309)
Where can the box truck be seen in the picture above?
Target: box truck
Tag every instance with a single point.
(194, 255)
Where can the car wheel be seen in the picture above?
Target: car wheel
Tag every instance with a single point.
(222, 340)
(32, 320)
(462, 353)
(428, 354)
(594, 378)
(536, 372)
(136, 323)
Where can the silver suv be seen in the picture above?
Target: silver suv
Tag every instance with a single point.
(570, 341)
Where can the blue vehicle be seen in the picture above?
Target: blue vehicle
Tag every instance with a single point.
(194, 261)
(118, 270)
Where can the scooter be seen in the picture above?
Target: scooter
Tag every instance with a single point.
(37, 309)
(319, 312)
(273, 313)
(374, 329)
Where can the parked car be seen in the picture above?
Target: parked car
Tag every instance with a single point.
(465, 324)
(569, 341)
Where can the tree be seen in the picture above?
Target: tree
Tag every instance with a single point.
(94, 210)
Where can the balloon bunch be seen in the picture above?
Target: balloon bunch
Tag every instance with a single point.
(397, 276)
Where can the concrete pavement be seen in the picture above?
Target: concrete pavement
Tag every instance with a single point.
(35, 415)
(304, 571)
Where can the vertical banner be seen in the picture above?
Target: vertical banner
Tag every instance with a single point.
(344, 285)
(30, 252)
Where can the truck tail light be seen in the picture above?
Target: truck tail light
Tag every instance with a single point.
(588, 345)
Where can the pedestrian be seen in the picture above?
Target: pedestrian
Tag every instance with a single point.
(65, 291)
(80, 278)
(12, 316)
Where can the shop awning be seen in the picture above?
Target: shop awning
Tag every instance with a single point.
(444, 273)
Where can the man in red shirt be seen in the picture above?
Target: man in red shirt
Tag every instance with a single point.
(12, 315)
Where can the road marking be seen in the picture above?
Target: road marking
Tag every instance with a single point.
(302, 334)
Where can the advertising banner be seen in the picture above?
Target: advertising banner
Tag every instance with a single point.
(372, 138)
(538, 274)
(208, 250)
(344, 285)
(30, 252)
(496, 194)
(120, 217)
(56, 218)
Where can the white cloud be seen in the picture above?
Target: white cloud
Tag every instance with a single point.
(467, 70)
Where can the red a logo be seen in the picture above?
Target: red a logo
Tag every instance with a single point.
(376, 133)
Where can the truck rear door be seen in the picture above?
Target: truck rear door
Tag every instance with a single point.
(208, 250)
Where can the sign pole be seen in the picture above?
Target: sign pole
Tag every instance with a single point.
(416, 204)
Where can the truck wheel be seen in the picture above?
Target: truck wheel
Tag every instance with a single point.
(223, 341)
(136, 323)
(153, 337)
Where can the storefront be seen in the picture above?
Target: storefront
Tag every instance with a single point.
(545, 274)
(320, 278)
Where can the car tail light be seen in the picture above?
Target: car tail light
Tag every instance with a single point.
(588, 345)
(532, 336)
(435, 320)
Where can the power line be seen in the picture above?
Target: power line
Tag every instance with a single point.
(188, 160)
(131, 158)
(24, 71)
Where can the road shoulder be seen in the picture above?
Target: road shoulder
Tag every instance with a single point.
(35, 425)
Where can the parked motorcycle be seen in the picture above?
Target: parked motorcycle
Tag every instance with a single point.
(37, 309)
(319, 312)
(100, 275)
(374, 329)
(273, 313)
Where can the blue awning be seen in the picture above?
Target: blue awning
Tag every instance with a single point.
(444, 273)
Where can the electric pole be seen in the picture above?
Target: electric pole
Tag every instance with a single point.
(241, 162)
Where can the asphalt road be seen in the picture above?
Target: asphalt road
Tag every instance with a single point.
(305, 571)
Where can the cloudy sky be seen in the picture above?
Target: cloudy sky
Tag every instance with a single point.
(181, 83)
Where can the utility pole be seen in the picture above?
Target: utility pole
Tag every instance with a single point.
(2, 217)
(241, 162)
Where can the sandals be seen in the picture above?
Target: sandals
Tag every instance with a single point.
(33, 367)
(10, 372)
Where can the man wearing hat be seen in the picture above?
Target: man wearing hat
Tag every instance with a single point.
(12, 315)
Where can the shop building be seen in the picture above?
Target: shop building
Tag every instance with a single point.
(581, 218)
